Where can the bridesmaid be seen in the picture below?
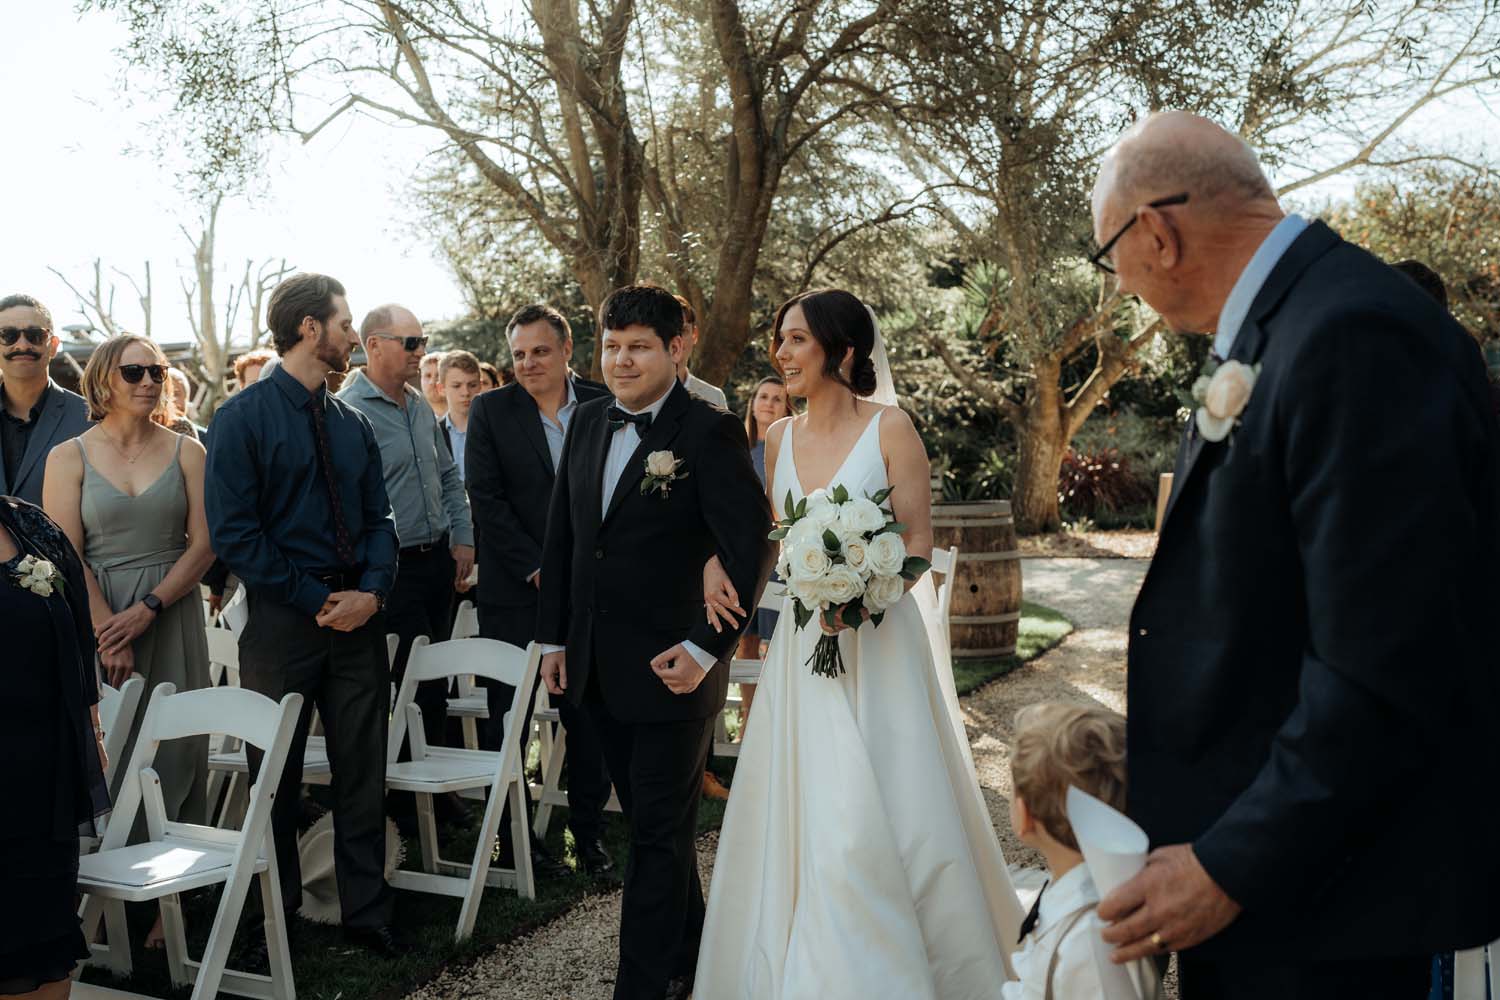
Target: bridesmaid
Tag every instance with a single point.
(768, 404)
(129, 495)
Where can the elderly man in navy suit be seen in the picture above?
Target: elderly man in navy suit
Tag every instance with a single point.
(36, 413)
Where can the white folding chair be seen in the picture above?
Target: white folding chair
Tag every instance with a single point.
(235, 612)
(945, 564)
(436, 770)
(470, 702)
(179, 857)
(116, 713)
(744, 670)
(1469, 971)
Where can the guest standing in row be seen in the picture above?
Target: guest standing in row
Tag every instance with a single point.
(247, 367)
(695, 385)
(432, 385)
(298, 510)
(425, 490)
(35, 412)
(489, 377)
(516, 436)
(49, 717)
(460, 375)
(129, 494)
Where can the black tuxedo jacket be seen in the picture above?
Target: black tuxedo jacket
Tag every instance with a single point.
(620, 590)
(1312, 676)
(508, 473)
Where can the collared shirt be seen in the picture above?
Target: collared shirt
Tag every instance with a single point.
(556, 431)
(457, 439)
(622, 444)
(426, 490)
(15, 433)
(1252, 278)
(269, 514)
(704, 390)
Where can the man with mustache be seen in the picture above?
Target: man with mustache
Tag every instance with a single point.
(36, 413)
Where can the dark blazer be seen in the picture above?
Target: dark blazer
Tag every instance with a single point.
(508, 472)
(620, 590)
(1312, 676)
(64, 417)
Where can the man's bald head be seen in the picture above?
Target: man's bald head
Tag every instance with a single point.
(389, 318)
(1172, 152)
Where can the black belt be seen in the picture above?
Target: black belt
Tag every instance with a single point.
(440, 544)
(339, 579)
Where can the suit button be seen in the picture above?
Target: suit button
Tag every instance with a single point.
(598, 553)
(1141, 632)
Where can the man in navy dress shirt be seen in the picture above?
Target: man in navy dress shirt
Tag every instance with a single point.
(297, 509)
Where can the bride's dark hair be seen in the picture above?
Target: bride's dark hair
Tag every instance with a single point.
(838, 321)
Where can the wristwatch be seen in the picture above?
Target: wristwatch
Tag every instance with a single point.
(379, 599)
(153, 602)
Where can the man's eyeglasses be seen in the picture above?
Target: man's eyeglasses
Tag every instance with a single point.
(134, 373)
(1098, 259)
(34, 334)
(408, 344)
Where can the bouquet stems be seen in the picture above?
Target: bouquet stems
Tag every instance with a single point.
(826, 659)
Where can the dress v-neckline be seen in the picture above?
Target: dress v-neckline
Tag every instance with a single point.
(792, 452)
(132, 496)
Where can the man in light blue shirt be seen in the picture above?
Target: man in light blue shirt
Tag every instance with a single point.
(458, 375)
(425, 489)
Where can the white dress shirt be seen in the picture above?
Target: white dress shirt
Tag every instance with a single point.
(1252, 279)
(623, 442)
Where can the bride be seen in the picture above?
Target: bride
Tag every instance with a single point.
(857, 857)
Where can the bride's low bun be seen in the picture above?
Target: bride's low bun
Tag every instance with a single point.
(840, 323)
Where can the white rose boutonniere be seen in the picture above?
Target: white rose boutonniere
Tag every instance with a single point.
(38, 576)
(661, 472)
(1222, 393)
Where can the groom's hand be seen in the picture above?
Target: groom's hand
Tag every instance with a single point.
(678, 670)
(555, 672)
(1171, 905)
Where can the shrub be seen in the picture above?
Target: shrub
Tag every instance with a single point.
(1100, 481)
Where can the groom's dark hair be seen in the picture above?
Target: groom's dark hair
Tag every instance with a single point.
(644, 305)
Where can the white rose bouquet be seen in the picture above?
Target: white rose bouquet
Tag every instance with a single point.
(843, 559)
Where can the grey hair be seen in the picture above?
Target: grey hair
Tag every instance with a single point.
(1175, 152)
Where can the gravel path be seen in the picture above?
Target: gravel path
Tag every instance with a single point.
(573, 957)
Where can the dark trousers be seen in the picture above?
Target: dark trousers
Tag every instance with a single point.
(1375, 979)
(658, 769)
(421, 603)
(344, 675)
(588, 779)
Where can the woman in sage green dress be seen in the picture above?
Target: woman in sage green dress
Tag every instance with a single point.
(129, 494)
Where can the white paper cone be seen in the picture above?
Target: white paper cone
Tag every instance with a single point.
(1113, 846)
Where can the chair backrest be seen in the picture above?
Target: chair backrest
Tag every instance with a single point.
(223, 656)
(945, 562)
(491, 658)
(236, 612)
(116, 712)
(466, 621)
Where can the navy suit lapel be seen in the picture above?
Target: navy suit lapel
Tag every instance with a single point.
(1250, 343)
(663, 430)
(40, 441)
(529, 417)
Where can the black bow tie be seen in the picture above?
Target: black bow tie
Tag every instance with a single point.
(1029, 924)
(618, 418)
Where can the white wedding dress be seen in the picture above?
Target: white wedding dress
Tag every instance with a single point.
(857, 858)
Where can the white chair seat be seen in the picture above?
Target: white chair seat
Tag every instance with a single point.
(141, 872)
(438, 775)
(476, 706)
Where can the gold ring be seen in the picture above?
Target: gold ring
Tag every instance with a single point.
(1157, 942)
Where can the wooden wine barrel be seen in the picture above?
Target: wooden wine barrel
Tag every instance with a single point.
(987, 583)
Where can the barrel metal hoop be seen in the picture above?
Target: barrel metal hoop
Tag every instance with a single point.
(987, 556)
(975, 654)
(1014, 616)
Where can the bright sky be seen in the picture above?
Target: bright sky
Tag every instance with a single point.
(73, 194)
(339, 205)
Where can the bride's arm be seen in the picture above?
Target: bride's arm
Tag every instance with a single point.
(910, 476)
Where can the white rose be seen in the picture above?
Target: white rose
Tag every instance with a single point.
(809, 591)
(41, 588)
(807, 562)
(856, 553)
(1200, 388)
(783, 565)
(887, 554)
(1229, 390)
(661, 464)
(824, 515)
(842, 585)
(884, 592)
(805, 534)
(1211, 427)
(818, 498)
(860, 516)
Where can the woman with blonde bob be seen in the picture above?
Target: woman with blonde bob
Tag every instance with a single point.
(128, 493)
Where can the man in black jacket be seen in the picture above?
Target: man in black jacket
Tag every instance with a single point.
(650, 487)
(515, 440)
(1310, 674)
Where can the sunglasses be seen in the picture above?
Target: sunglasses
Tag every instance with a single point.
(34, 334)
(1098, 258)
(407, 343)
(134, 373)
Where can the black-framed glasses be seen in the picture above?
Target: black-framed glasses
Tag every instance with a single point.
(408, 344)
(36, 335)
(1098, 258)
(134, 373)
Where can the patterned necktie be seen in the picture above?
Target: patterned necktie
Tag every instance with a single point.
(325, 460)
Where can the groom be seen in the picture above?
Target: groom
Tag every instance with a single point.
(1312, 673)
(651, 485)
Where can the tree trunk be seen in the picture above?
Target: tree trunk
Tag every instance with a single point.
(1041, 443)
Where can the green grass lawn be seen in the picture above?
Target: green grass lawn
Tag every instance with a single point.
(328, 969)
